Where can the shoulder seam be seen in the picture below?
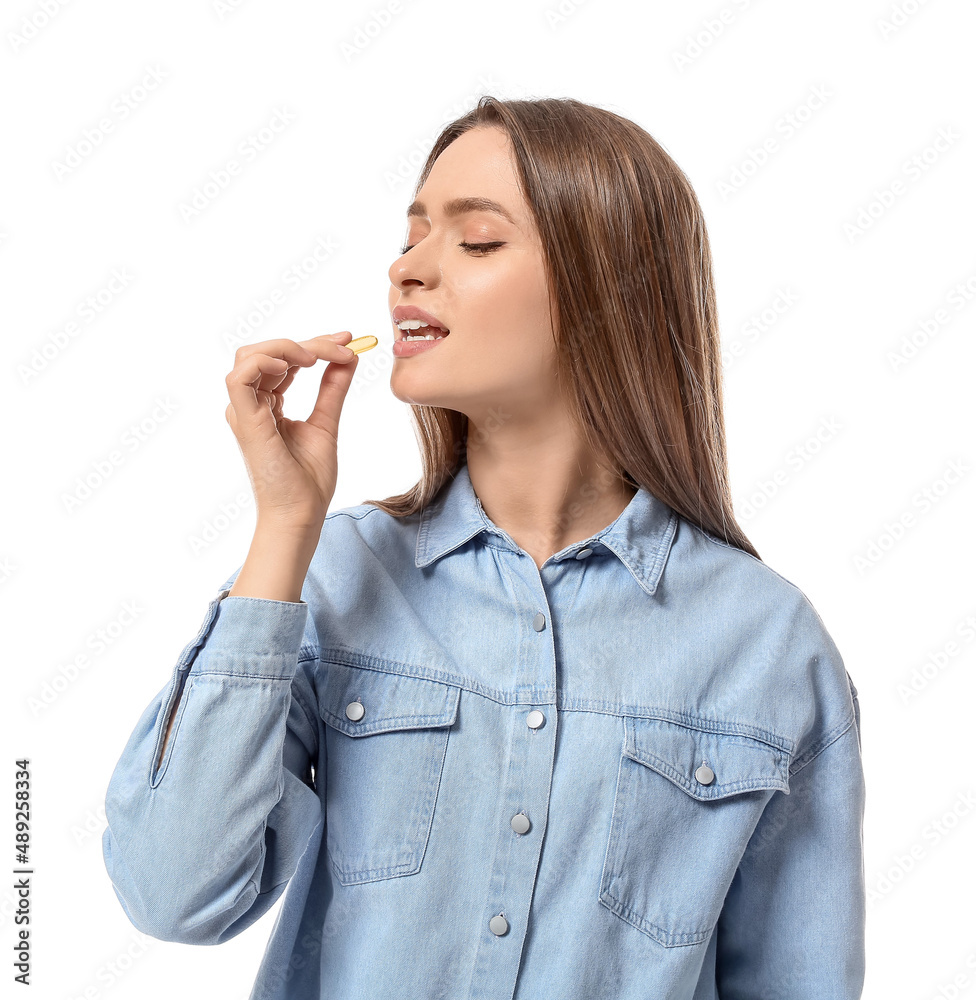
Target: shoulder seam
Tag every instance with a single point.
(718, 541)
(352, 511)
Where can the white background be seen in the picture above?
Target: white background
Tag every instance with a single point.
(831, 442)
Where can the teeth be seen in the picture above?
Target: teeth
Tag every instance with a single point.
(413, 324)
(418, 324)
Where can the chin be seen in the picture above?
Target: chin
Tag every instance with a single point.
(419, 395)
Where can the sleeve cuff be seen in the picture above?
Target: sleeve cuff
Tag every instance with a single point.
(252, 636)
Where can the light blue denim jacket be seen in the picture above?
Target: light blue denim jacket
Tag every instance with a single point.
(634, 773)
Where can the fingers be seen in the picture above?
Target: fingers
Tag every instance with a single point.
(322, 346)
(270, 367)
(250, 381)
(286, 380)
(276, 405)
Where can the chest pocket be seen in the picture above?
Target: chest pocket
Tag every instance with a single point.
(386, 741)
(687, 802)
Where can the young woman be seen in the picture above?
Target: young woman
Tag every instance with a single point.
(545, 725)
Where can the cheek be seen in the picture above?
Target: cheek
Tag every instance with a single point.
(506, 308)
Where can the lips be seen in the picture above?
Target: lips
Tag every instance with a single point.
(414, 312)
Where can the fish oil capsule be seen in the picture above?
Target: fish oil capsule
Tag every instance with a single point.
(361, 344)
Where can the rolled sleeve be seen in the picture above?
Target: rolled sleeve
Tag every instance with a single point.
(201, 843)
(793, 923)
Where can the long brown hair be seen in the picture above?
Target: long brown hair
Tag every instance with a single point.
(633, 308)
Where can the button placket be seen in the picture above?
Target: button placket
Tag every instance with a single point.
(531, 776)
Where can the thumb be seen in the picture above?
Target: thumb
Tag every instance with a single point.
(333, 387)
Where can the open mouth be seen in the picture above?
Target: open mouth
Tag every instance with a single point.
(415, 329)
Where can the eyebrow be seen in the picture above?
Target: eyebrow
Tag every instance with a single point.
(459, 206)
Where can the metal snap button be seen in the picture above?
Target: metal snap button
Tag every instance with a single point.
(705, 774)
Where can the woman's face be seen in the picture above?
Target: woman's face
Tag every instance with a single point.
(498, 360)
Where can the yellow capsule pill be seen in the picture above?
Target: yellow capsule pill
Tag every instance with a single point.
(361, 344)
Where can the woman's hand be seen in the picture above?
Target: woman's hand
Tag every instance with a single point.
(292, 464)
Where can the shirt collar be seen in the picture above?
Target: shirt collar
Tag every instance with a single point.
(640, 537)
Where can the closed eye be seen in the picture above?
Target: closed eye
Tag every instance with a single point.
(481, 249)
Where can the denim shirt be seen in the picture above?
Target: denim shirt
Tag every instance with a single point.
(633, 773)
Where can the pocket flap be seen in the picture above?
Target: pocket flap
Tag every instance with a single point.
(705, 764)
(389, 701)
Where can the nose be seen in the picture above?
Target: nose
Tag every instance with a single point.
(410, 269)
(401, 277)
